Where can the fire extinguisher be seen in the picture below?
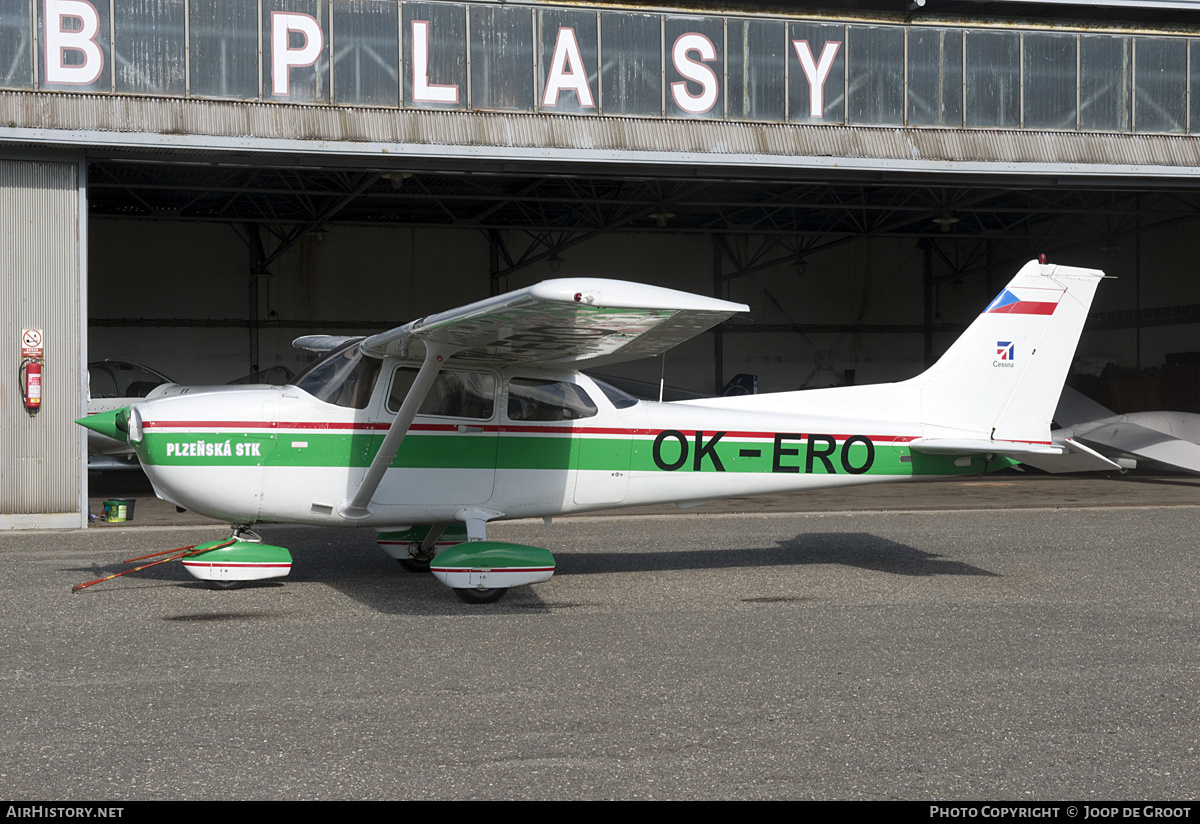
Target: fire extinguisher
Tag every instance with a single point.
(31, 384)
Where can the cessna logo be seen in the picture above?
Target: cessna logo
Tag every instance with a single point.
(674, 450)
(1006, 354)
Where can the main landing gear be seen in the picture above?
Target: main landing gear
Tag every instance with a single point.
(480, 596)
(415, 547)
(479, 571)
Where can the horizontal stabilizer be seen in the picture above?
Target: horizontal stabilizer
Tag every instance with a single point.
(976, 446)
(1075, 457)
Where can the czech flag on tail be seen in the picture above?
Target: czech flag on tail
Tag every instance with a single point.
(1017, 300)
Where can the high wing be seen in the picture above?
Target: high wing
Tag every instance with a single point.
(1075, 407)
(592, 321)
(322, 343)
(1093, 435)
(1152, 436)
(564, 321)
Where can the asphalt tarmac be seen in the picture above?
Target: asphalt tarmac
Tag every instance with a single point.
(1031, 639)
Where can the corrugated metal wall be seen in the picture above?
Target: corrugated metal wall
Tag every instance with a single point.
(72, 120)
(41, 456)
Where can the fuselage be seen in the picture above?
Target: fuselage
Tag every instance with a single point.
(513, 442)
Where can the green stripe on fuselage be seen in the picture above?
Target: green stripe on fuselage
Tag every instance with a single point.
(668, 452)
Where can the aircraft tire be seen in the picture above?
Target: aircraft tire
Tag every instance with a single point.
(222, 585)
(413, 565)
(480, 596)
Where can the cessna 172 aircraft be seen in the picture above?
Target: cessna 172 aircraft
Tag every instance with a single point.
(431, 430)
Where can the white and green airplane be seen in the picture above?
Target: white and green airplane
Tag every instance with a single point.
(431, 430)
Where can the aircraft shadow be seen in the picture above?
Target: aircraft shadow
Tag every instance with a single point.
(358, 570)
(1165, 480)
(395, 592)
(856, 549)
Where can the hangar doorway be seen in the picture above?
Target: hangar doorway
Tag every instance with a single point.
(211, 267)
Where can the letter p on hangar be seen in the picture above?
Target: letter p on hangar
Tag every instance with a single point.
(284, 57)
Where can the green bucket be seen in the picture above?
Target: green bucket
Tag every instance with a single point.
(118, 510)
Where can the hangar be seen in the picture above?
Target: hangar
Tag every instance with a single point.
(191, 184)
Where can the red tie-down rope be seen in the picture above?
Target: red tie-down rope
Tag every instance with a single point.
(180, 552)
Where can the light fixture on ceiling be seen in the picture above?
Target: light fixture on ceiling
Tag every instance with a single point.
(396, 178)
(555, 263)
(661, 217)
(945, 221)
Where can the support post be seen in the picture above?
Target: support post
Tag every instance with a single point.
(718, 334)
(1137, 284)
(927, 245)
(494, 260)
(257, 268)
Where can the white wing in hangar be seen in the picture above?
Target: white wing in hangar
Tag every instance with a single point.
(571, 321)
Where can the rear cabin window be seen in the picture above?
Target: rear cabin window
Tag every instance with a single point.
(535, 400)
(344, 377)
(454, 394)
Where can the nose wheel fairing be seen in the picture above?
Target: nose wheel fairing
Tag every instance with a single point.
(241, 561)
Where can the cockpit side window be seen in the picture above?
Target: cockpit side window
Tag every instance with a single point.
(454, 394)
(540, 400)
(101, 382)
(344, 377)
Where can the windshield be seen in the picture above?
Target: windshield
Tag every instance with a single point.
(619, 399)
(345, 377)
(121, 379)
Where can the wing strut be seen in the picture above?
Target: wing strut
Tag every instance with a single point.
(435, 356)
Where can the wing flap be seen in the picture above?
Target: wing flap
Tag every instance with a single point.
(564, 321)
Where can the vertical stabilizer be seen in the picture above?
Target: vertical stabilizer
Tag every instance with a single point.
(1002, 378)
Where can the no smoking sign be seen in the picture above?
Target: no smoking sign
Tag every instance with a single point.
(31, 343)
